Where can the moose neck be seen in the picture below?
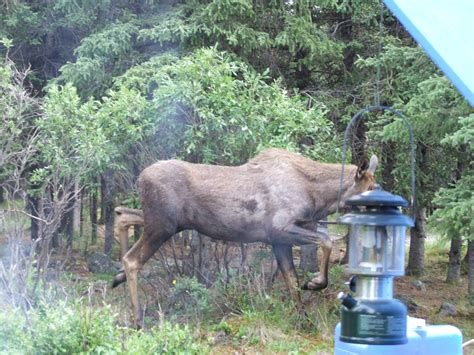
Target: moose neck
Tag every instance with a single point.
(333, 193)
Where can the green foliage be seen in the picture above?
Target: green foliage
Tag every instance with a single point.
(402, 67)
(59, 330)
(215, 109)
(431, 104)
(456, 202)
(168, 339)
(66, 329)
(82, 13)
(464, 136)
(301, 35)
(18, 20)
(223, 326)
(141, 77)
(82, 139)
(100, 56)
(190, 298)
(112, 41)
(297, 47)
(11, 332)
(456, 208)
(226, 22)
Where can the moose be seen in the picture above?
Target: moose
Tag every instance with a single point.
(275, 198)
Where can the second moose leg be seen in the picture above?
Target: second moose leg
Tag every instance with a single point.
(133, 262)
(294, 234)
(284, 257)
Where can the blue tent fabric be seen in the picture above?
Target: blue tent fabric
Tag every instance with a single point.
(445, 30)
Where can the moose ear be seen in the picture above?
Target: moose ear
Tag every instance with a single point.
(361, 169)
(367, 166)
(374, 161)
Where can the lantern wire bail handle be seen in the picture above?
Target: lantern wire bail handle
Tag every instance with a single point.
(359, 115)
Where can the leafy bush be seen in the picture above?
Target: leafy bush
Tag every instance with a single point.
(65, 329)
(190, 298)
(57, 330)
(11, 332)
(211, 107)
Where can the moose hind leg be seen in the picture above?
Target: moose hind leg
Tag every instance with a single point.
(133, 261)
(119, 278)
(321, 281)
(301, 236)
(284, 257)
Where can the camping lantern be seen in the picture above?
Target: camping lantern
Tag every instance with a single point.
(372, 321)
(376, 256)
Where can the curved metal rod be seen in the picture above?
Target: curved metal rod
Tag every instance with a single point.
(407, 124)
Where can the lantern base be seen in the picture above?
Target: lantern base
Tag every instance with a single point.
(377, 322)
(422, 340)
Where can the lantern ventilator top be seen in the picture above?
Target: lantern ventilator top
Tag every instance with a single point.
(381, 209)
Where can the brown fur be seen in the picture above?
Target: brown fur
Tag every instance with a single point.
(275, 198)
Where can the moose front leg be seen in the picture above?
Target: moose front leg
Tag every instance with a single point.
(294, 234)
(284, 257)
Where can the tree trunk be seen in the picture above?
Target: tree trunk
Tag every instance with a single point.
(416, 256)
(454, 265)
(49, 211)
(388, 163)
(76, 220)
(205, 260)
(108, 212)
(470, 271)
(68, 222)
(359, 143)
(309, 258)
(93, 216)
(465, 263)
(243, 267)
(102, 200)
(33, 205)
(81, 218)
(309, 253)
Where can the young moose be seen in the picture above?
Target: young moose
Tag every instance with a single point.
(276, 198)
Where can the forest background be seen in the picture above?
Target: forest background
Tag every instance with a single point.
(94, 91)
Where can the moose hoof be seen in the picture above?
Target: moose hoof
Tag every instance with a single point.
(315, 285)
(139, 321)
(118, 279)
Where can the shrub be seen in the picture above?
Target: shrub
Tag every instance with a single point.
(73, 329)
(190, 298)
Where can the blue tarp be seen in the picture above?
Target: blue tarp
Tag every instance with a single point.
(445, 30)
